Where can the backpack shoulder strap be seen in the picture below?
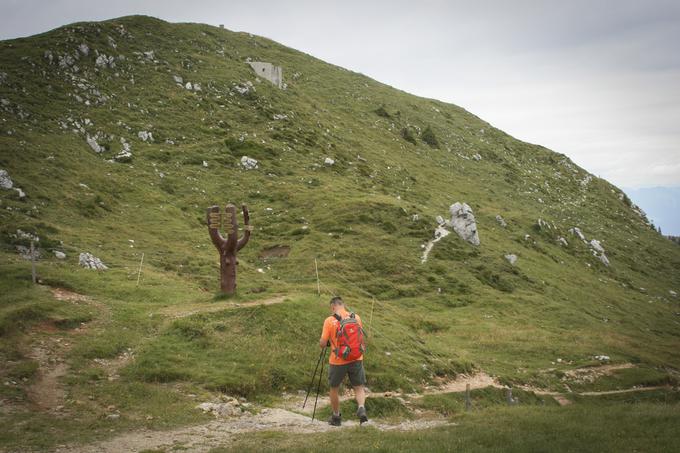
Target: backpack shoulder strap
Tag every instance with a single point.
(352, 315)
(337, 316)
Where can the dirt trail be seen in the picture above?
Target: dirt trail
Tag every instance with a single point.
(221, 432)
(49, 349)
(210, 307)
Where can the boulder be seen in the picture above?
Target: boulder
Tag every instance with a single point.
(512, 258)
(84, 49)
(5, 181)
(59, 255)
(89, 261)
(145, 136)
(463, 222)
(248, 163)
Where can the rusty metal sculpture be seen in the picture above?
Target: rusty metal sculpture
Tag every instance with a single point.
(231, 245)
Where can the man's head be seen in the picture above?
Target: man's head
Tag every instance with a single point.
(336, 303)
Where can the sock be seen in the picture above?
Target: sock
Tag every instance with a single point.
(361, 406)
(336, 414)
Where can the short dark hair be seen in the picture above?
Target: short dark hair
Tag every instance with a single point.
(337, 300)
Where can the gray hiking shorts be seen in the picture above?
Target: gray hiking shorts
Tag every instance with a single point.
(355, 370)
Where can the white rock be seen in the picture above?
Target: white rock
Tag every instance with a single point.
(59, 255)
(602, 358)
(5, 181)
(440, 220)
(595, 244)
(463, 222)
(94, 145)
(205, 164)
(84, 49)
(604, 259)
(21, 193)
(123, 156)
(672, 293)
(512, 258)
(221, 409)
(248, 163)
(89, 261)
(577, 232)
(188, 86)
(329, 161)
(145, 136)
(477, 157)
(197, 86)
(562, 241)
(501, 221)
(178, 79)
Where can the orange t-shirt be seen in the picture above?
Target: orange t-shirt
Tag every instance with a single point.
(329, 332)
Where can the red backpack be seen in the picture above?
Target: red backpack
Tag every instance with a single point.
(350, 338)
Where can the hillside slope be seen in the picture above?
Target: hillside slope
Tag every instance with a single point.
(116, 157)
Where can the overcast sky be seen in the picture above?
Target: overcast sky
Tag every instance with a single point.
(596, 80)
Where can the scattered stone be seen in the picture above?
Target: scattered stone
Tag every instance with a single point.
(562, 241)
(5, 181)
(602, 358)
(25, 253)
(21, 193)
(440, 220)
(463, 222)
(197, 87)
(328, 161)
(595, 244)
(672, 293)
(89, 261)
(248, 163)
(577, 232)
(103, 61)
(189, 86)
(226, 409)
(477, 157)
(604, 259)
(145, 136)
(501, 221)
(124, 156)
(84, 49)
(512, 259)
(280, 116)
(113, 416)
(178, 79)
(205, 164)
(543, 224)
(59, 255)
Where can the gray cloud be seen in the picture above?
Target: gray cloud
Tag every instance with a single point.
(596, 80)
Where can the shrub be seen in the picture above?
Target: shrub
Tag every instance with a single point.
(380, 111)
(407, 135)
(428, 137)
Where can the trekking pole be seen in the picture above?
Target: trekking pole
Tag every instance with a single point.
(311, 384)
(318, 388)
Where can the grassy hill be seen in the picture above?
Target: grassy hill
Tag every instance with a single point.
(152, 349)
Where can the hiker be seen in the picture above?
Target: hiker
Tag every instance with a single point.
(343, 332)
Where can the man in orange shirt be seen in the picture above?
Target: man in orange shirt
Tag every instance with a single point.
(339, 367)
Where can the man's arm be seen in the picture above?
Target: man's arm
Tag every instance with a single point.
(325, 335)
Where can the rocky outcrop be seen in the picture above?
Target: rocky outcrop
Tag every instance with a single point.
(89, 261)
(463, 222)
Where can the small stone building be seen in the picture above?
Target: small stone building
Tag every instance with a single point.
(268, 71)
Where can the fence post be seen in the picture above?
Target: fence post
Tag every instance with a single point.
(33, 274)
(318, 285)
(468, 403)
(139, 272)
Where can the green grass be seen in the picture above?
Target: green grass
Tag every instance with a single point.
(578, 428)
(400, 161)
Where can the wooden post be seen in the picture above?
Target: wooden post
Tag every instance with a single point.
(318, 285)
(508, 394)
(139, 273)
(33, 274)
(468, 403)
(229, 246)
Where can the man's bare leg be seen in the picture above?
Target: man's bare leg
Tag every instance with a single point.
(335, 400)
(360, 395)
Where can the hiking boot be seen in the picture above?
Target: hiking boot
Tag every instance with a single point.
(335, 420)
(361, 413)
